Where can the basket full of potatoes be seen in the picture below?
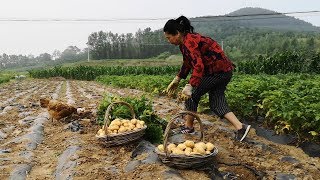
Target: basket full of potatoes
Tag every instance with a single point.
(120, 131)
(188, 154)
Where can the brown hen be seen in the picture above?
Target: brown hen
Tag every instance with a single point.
(57, 109)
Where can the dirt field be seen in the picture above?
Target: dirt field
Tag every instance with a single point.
(32, 147)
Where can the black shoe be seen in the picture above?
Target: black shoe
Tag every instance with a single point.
(242, 133)
(187, 130)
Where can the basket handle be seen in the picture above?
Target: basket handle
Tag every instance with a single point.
(166, 133)
(107, 114)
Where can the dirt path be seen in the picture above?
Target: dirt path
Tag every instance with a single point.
(31, 147)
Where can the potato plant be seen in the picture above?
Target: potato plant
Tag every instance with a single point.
(5, 78)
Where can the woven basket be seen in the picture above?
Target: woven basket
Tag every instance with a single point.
(120, 138)
(184, 161)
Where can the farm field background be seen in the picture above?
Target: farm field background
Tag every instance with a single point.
(54, 151)
(30, 143)
(288, 101)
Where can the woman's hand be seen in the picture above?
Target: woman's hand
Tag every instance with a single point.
(186, 92)
(172, 87)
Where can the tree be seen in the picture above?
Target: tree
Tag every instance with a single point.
(294, 44)
(56, 55)
(285, 45)
(71, 53)
(44, 57)
(310, 44)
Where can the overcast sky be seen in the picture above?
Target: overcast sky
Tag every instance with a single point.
(30, 37)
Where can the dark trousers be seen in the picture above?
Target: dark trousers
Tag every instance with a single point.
(215, 85)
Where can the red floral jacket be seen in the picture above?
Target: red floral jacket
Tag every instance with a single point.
(204, 56)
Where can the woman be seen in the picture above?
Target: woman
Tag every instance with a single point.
(211, 72)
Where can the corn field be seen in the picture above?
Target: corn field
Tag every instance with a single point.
(287, 62)
(91, 72)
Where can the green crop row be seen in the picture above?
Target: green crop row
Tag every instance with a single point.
(286, 62)
(289, 103)
(91, 72)
(5, 78)
(149, 83)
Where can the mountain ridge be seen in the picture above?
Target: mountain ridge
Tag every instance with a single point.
(254, 17)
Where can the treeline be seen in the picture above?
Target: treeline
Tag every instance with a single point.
(239, 43)
(250, 43)
(70, 54)
(144, 44)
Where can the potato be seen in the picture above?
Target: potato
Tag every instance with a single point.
(141, 122)
(113, 127)
(194, 149)
(131, 126)
(189, 143)
(181, 146)
(133, 121)
(116, 132)
(194, 153)
(201, 145)
(177, 151)
(124, 121)
(172, 150)
(209, 146)
(161, 148)
(135, 128)
(138, 125)
(171, 146)
(199, 150)
(122, 129)
(115, 122)
(101, 132)
(208, 152)
(187, 151)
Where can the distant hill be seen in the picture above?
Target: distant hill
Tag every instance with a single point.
(258, 18)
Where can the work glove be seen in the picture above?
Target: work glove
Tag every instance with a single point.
(172, 87)
(186, 92)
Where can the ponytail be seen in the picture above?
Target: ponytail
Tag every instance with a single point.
(181, 24)
(184, 25)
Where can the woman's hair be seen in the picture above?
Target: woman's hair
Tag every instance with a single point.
(181, 24)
